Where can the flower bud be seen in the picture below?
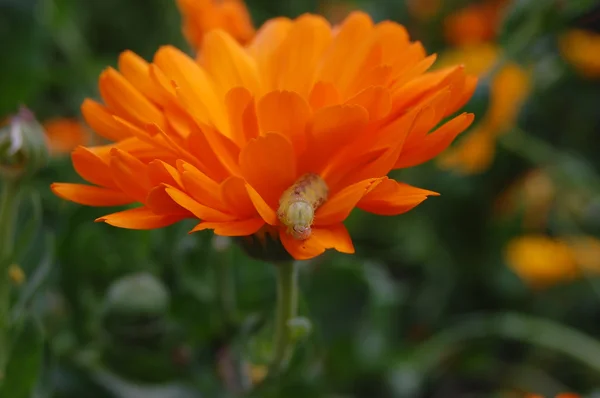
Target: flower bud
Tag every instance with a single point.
(23, 146)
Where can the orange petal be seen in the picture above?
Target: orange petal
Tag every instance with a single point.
(139, 218)
(160, 172)
(200, 211)
(89, 195)
(161, 203)
(232, 228)
(263, 209)
(344, 51)
(126, 101)
(323, 94)
(286, 113)
(92, 168)
(236, 198)
(101, 121)
(296, 60)
(201, 187)
(435, 142)
(268, 164)
(331, 129)
(137, 71)
(194, 86)
(266, 42)
(129, 174)
(376, 100)
(242, 115)
(228, 63)
(338, 207)
(391, 198)
(331, 237)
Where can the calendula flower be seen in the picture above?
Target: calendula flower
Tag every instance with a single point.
(64, 135)
(542, 261)
(581, 49)
(509, 88)
(289, 133)
(202, 16)
(475, 24)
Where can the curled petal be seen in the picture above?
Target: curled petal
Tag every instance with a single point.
(89, 195)
(232, 228)
(331, 237)
(391, 198)
(139, 218)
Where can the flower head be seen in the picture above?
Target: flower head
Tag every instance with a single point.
(202, 16)
(289, 133)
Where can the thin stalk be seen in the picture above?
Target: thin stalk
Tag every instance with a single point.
(8, 212)
(287, 305)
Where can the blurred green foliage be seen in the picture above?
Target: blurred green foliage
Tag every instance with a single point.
(426, 308)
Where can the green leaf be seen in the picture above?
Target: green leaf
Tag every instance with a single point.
(25, 362)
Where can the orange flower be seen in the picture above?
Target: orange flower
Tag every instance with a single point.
(581, 49)
(292, 132)
(202, 16)
(508, 90)
(424, 9)
(64, 135)
(474, 24)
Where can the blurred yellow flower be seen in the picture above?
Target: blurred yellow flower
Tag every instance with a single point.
(581, 49)
(542, 261)
(64, 135)
(508, 90)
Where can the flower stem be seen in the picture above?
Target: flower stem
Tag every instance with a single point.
(287, 304)
(8, 211)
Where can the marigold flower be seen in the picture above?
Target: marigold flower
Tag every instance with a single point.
(202, 16)
(291, 132)
(508, 90)
(581, 49)
(64, 135)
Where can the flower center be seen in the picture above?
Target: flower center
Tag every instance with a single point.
(299, 202)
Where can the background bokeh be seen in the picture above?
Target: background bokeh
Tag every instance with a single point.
(490, 290)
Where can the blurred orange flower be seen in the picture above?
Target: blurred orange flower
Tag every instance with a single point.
(202, 16)
(542, 261)
(508, 90)
(290, 133)
(474, 24)
(64, 135)
(581, 49)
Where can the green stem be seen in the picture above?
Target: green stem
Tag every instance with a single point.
(8, 211)
(287, 304)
